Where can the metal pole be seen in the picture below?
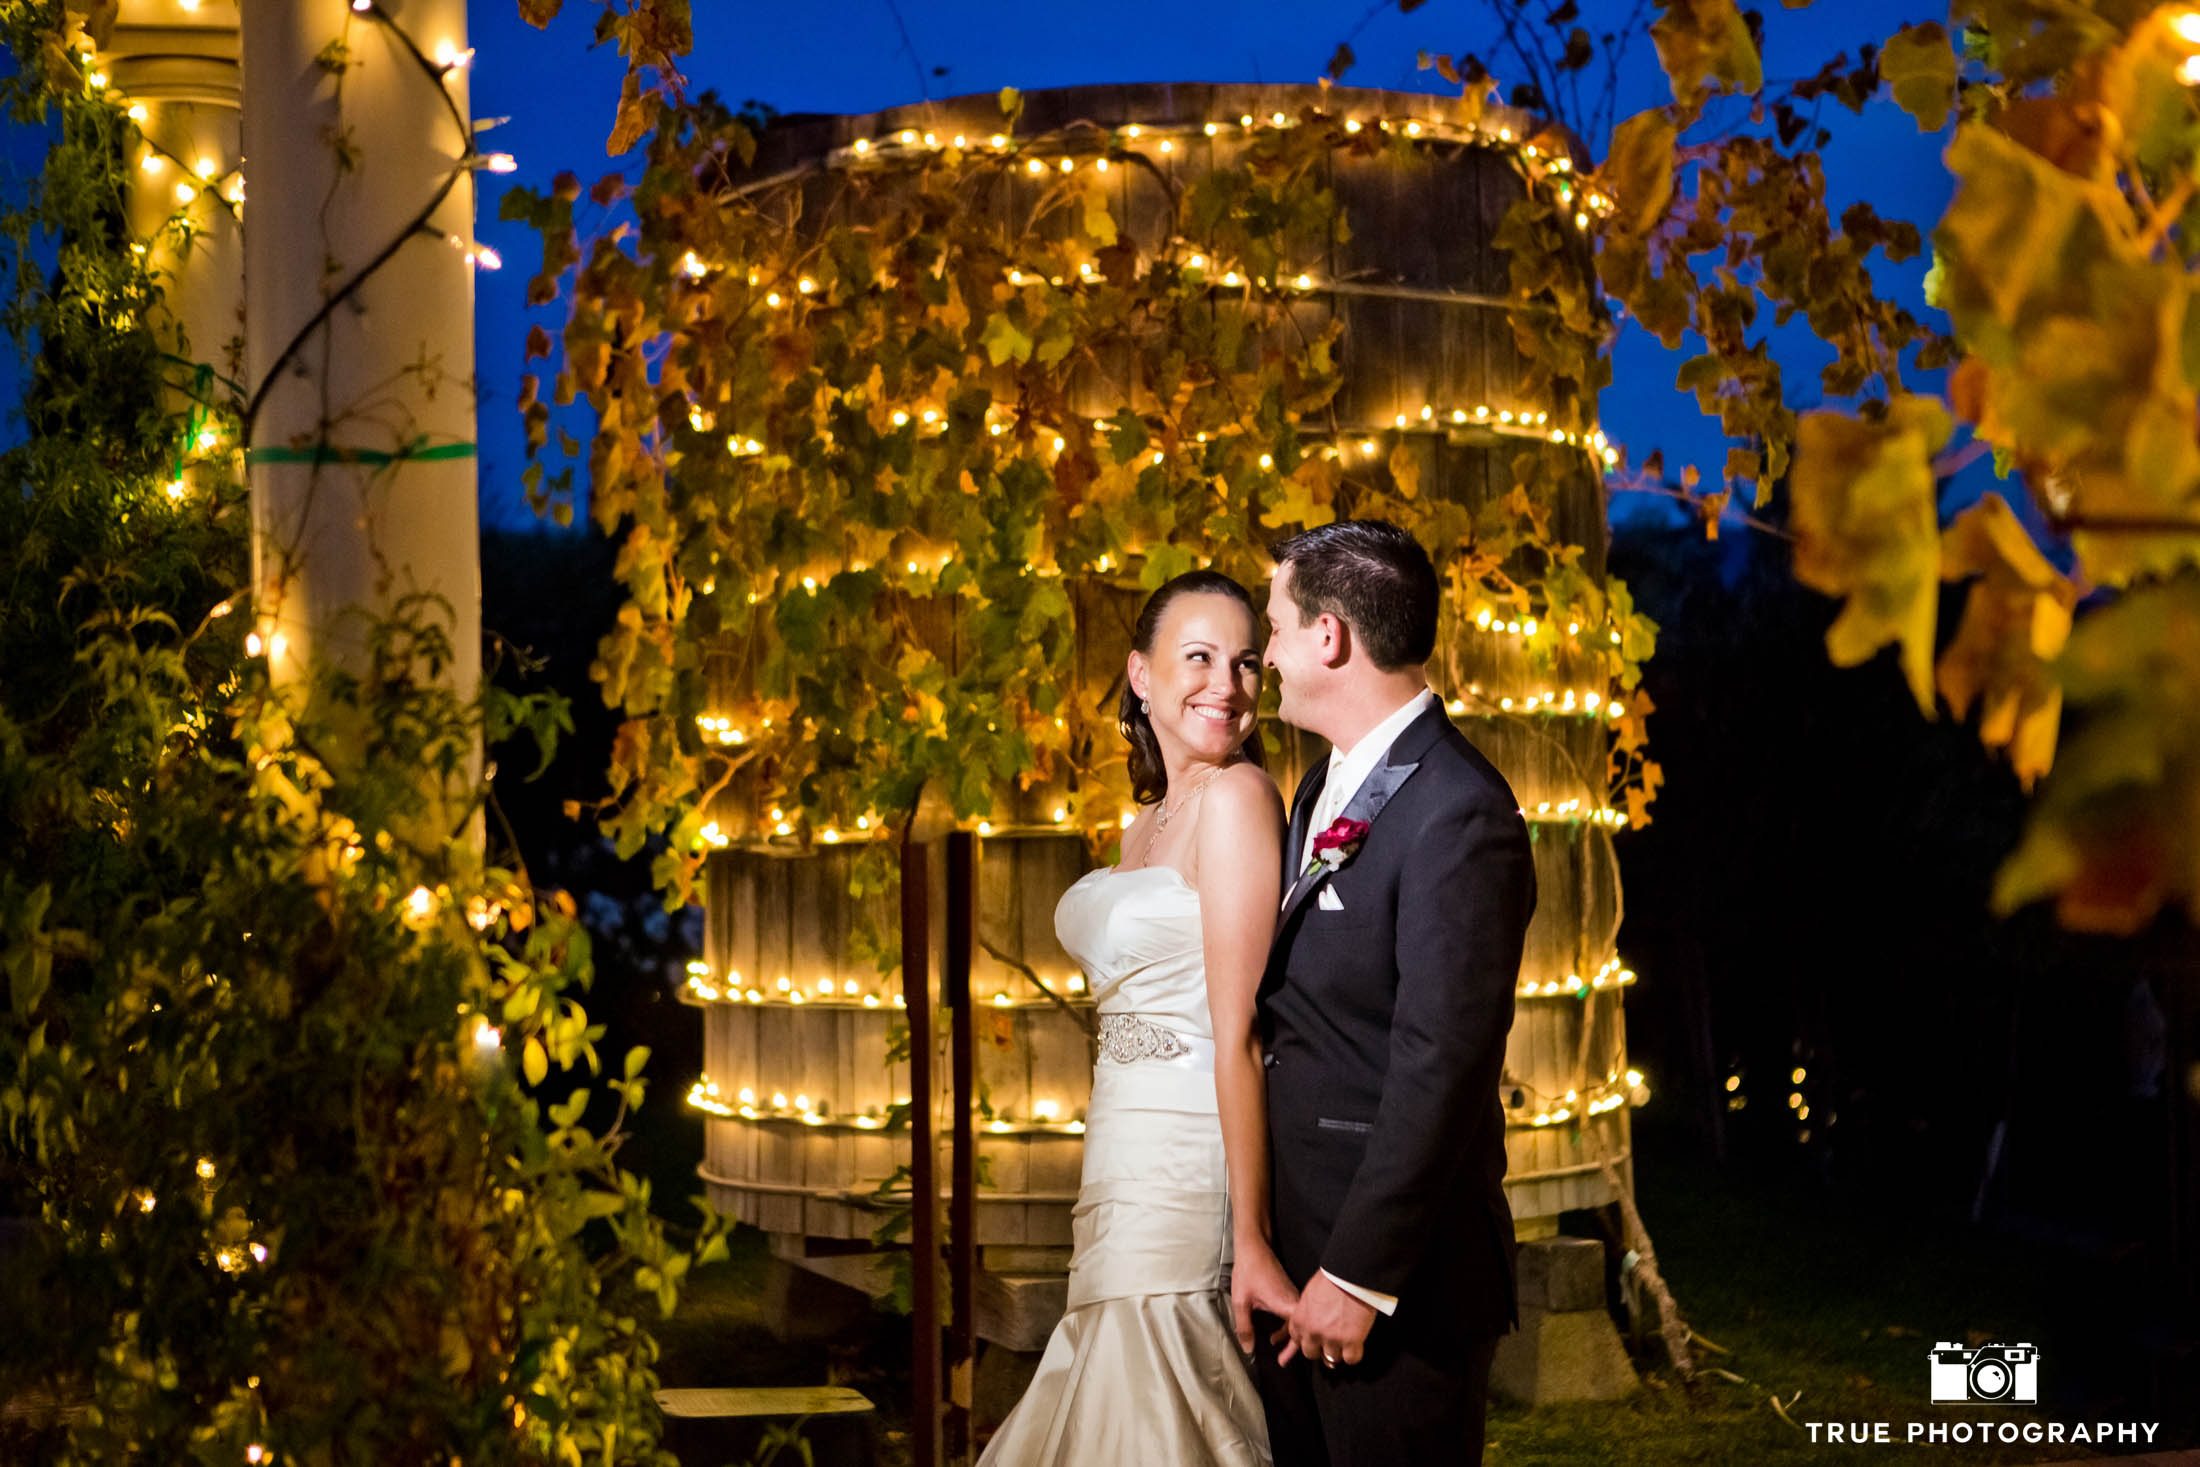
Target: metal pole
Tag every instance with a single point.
(924, 1189)
(962, 1208)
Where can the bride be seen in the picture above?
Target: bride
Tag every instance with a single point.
(1142, 1367)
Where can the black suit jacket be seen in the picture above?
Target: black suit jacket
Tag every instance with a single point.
(1385, 1025)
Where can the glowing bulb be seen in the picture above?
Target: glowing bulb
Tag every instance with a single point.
(500, 163)
(205, 1169)
(139, 112)
(206, 168)
(2186, 23)
(185, 193)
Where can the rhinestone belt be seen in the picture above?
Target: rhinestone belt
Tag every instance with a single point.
(1128, 1038)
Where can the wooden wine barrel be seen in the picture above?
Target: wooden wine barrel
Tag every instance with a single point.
(1420, 289)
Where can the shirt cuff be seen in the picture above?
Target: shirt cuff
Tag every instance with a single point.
(1380, 1303)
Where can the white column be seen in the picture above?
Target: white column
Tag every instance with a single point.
(175, 67)
(360, 347)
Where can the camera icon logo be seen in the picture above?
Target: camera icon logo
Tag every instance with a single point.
(2002, 1375)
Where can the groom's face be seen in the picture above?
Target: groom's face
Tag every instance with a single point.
(1298, 650)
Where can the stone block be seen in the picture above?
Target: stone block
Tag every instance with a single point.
(1559, 1275)
(1572, 1356)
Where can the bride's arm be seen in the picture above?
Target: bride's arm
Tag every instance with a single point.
(1239, 869)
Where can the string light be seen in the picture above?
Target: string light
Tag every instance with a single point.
(1046, 1118)
(1612, 975)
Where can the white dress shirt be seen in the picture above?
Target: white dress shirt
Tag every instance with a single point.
(1348, 770)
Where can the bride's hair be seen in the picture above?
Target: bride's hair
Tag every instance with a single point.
(1149, 777)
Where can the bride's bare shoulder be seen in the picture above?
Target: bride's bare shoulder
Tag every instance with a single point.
(1244, 794)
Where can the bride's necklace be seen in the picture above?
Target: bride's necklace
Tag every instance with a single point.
(1161, 815)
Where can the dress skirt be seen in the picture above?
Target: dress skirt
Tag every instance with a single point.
(1143, 1367)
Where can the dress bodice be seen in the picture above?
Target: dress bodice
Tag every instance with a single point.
(1137, 936)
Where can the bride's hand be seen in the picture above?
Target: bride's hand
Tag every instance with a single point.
(1257, 1281)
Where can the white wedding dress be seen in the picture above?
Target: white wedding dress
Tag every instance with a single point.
(1143, 1367)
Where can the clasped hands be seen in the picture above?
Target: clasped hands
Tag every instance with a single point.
(1322, 1323)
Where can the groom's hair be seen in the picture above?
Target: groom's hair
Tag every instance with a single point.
(1373, 576)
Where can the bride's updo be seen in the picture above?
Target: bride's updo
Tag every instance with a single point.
(1149, 777)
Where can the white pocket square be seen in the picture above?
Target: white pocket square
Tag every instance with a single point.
(1327, 900)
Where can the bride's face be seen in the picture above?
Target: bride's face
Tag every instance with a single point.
(1202, 676)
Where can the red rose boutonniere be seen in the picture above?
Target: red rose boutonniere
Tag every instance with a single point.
(1339, 843)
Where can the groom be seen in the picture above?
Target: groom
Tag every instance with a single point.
(1389, 990)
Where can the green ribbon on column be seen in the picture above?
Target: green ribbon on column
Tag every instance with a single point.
(418, 451)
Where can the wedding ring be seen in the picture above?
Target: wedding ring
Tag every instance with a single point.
(1330, 1361)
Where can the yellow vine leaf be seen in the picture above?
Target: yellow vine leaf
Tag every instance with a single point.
(534, 1063)
(1705, 40)
(1639, 171)
(2079, 341)
(1868, 531)
(2115, 831)
(2016, 620)
(1405, 470)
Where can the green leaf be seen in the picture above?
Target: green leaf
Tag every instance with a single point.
(636, 1058)
(1004, 340)
(1867, 530)
(1919, 66)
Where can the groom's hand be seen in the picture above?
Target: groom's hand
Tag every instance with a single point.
(1329, 1327)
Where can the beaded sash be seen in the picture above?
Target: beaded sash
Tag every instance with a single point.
(1129, 1038)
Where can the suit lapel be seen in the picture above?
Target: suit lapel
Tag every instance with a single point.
(1382, 782)
(1302, 815)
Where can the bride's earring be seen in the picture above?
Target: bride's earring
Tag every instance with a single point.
(1144, 706)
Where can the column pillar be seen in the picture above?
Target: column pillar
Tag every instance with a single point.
(359, 353)
(175, 67)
